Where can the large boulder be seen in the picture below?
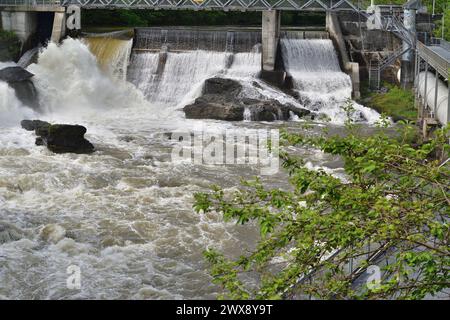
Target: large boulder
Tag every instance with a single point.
(222, 86)
(204, 108)
(20, 80)
(59, 138)
(63, 138)
(32, 125)
(222, 100)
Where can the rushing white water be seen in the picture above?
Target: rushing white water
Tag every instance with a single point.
(71, 82)
(183, 75)
(124, 213)
(317, 76)
(112, 54)
(11, 109)
(27, 58)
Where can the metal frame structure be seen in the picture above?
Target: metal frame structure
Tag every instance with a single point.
(225, 5)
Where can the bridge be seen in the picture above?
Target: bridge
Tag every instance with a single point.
(226, 5)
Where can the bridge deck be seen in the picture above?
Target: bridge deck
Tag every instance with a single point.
(444, 53)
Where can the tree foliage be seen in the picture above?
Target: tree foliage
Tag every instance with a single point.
(148, 18)
(394, 204)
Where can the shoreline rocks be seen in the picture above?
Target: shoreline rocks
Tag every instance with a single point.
(221, 101)
(59, 138)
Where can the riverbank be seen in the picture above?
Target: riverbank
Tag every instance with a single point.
(393, 101)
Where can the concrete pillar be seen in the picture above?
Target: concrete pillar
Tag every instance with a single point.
(407, 63)
(22, 23)
(59, 27)
(270, 38)
(350, 68)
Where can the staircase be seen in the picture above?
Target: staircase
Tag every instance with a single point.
(374, 74)
(395, 25)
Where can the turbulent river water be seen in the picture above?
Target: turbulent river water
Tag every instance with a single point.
(124, 214)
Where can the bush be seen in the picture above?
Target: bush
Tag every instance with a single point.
(396, 201)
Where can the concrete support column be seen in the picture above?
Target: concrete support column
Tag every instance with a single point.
(407, 73)
(350, 68)
(270, 38)
(22, 23)
(59, 27)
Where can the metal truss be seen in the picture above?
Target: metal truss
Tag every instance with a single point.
(225, 5)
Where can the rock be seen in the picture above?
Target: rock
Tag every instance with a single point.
(63, 138)
(203, 109)
(222, 86)
(39, 141)
(59, 138)
(52, 233)
(221, 101)
(20, 80)
(9, 232)
(14, 74)
(32, 125)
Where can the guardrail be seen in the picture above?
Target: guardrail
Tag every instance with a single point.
(436, 61)
(255, 5)
(440, 42)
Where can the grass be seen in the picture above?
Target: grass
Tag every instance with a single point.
(396, 102)
(7, 35)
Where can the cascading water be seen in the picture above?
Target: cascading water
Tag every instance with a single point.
(183, 75)
(112, 53)
(175, 77)
(322, 86)
(11, 109)
(123, 214)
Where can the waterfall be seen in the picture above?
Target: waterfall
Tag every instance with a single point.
(70, 81)
(175, 77)
(113, 54)
(28, 57)
(317, 77)
(11, 109)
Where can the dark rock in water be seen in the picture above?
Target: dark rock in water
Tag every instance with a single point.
(221, 86)
(203, 109)
(39, 141)
(20, 80)
(63, 138)
(32, 125)
(271, 110)
(59, 138)
(14, 74)
(221, 101)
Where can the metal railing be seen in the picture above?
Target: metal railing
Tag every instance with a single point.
(436, 61)
(243, 5)
(29, 3)
(440, 43)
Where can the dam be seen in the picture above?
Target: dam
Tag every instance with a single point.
(123, 215)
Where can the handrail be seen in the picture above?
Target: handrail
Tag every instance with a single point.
(435, 60)
(298, 5)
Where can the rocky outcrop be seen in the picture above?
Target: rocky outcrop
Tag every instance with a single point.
(221, 100)
(20, 80)
(32, 125)
(59, 138)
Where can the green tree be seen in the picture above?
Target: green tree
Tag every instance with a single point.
(396, 197)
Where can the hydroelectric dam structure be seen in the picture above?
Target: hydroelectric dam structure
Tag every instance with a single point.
(24, 17)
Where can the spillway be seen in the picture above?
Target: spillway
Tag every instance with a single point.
(317, 77)
(112, 51)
